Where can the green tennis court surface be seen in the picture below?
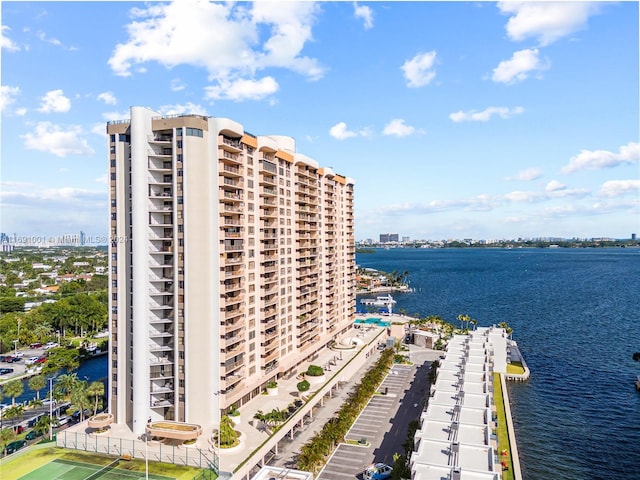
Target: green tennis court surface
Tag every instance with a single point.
(67, 470)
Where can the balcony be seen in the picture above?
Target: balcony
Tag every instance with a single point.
(230, 144)
(229, 157)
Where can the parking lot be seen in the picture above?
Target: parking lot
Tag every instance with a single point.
(382, 424)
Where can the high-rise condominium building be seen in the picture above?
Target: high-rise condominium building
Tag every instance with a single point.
(232, 261)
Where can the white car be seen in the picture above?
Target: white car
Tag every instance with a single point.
(31, 360)
(49, 345)
(18, 354)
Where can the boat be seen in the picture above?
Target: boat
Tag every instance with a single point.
(638, 383)
(379, 301)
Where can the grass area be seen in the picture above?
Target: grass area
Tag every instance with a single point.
(502, 432)
(35, 457)
(515, 368)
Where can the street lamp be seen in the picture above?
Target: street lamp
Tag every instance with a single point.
(50, 408)
(58, 333)
(15, 346)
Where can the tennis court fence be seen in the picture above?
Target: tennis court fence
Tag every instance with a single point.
(190, 455)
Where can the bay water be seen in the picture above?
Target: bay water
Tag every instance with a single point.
(575, 317)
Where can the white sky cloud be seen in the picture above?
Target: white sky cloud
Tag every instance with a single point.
(184, 109)
(365, 13)
(341, 132)
(419, 70)
(598, 159)
(112, 116)
(547, 21)
(5, 42)
(50, 138)
(555, 186)
(7, 96)
(54, 101)
(397, 128)
(519, 67)
(108, 98)
(225, 39)
(526, 175)
(242, 89)
(617, 188)
(486, 114)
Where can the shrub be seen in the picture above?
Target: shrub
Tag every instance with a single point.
(315, 371)
(272, 384)
(233, 411)
(303, 386)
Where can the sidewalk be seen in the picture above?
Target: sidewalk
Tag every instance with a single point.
(253, 433)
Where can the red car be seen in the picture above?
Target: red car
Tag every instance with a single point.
(41, 359)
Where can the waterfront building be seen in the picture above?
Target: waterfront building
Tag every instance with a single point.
(456, 436)
(232, 261)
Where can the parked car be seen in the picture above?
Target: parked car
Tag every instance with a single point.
(41, 359)
(62, 420)
(32, 435)
(34, 420)
(35, 345)
(18, 429)
(379, 471)
(49, 345)
(31, 360)
(12, 359)
(15, 446)
(5, 371)
(48, 402)
(18, 354)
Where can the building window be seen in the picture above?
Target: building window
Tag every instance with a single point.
(112, 138)
(123, 138)
(179, 132)
(194, 132)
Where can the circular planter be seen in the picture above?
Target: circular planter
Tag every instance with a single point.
(315, 380)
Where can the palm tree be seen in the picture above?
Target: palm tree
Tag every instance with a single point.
(14, 412)
(37, 383)
(43, 424)
(65, 384)
(80, 397)
(6, 436)
(96, 390)
(474, 322)
(13, 389)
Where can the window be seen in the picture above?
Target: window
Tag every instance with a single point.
(178, 131)
(123, 138)
(194, 132)
(112, 138)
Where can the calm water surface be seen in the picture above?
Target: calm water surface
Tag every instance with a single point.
(574, 314)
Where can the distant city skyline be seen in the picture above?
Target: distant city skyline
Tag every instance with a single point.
(456, 119)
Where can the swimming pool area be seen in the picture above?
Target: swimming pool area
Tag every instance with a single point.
(378, 322)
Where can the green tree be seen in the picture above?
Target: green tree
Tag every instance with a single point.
(15, 411)
(6, 435)
(65, 385)
(37, 383)
(228, 437)
(12, 389)
(80, 397)
(96, 390)
(43, 424)
(61, 358)
(11, 304)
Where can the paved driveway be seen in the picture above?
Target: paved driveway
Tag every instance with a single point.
(383, 423)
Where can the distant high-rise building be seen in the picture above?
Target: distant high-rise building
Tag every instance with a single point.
(232, 261)
(82, 238)
(388, 237)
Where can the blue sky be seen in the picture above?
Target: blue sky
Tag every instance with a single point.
(456, 119)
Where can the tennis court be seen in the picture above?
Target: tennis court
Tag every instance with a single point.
(67, 470)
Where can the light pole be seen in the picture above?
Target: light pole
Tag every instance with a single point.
(50, 408)
(15, 347)
(58, 333)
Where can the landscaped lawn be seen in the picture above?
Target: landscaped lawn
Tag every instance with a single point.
(515, 368)
(38, 455)
(502, 432)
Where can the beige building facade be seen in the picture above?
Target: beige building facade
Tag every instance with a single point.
(232, 261)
